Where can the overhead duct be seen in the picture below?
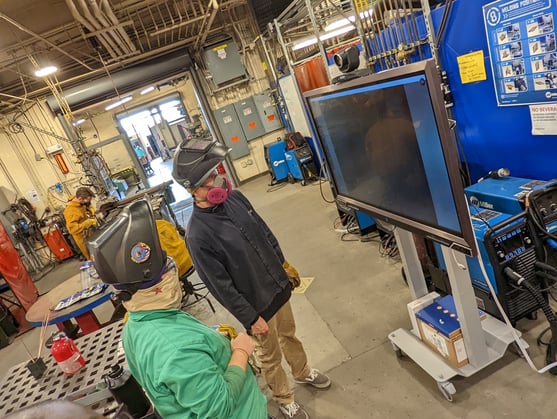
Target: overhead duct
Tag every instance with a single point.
(125, 80)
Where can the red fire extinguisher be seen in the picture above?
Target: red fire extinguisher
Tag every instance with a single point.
(66, 354)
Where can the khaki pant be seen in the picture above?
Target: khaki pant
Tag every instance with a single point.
(270, 348)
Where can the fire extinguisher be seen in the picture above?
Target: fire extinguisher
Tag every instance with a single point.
(66, 354)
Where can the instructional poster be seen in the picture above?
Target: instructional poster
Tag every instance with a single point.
(521, 41)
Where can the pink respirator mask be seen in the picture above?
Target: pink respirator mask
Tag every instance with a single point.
(219, 192)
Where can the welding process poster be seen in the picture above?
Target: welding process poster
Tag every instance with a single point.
(521, 41)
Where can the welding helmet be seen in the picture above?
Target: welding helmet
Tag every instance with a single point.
(196, 159)
(127, 252)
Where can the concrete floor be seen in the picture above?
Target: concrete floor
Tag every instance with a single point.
(344, 317)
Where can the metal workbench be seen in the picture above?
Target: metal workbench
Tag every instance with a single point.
(101, 349)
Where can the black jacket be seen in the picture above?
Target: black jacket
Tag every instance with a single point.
(238, 258)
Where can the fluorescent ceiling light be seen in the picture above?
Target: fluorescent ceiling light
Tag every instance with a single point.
(118, 103)
(339, 23)
(78, 122)
(46, 71)
(347, 21)
(147, 90)
(328, 35)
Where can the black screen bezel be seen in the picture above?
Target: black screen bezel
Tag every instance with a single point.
(464, 241)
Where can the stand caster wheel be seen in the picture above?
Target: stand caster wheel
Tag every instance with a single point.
(447, 389)
(515, 349)
(398, 351)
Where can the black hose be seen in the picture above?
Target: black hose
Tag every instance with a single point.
(551, 352)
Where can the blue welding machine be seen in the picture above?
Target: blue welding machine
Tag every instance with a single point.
(276, 161)
(505, 195)
(503, 241)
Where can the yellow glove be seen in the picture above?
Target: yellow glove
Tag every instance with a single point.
(293, 275)
(90, 222)
(228, 330)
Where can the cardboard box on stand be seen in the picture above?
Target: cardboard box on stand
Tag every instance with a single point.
(440, 330)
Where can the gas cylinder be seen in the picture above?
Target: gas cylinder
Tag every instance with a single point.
(126, 390)
(66, 354)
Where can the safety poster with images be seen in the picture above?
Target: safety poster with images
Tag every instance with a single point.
(521, 41)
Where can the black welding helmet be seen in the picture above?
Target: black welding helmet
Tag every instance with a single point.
(127, 252)
(195, 159)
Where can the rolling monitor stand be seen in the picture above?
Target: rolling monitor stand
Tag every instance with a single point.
(485, 341)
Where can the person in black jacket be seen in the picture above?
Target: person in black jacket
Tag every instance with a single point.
(240, 261)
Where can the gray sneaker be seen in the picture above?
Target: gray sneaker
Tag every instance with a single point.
(293, 410)
(316, 379)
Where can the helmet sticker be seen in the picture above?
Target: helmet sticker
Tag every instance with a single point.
(140, 253)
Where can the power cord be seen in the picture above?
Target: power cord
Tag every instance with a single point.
(513, 331)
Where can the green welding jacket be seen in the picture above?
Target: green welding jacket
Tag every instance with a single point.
(183, 366)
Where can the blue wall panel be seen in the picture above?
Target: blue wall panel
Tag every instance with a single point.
(492, 136)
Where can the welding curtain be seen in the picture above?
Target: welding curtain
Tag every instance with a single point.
(14, 272)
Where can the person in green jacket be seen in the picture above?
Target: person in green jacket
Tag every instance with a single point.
(187, 369)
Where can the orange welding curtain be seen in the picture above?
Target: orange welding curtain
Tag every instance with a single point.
(14, 272)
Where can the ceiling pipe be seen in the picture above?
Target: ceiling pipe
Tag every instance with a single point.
(112, 17)
(105, 24)
(87, 25)
(113, 50)
(148, 54)
(207, 23)
(46, 41)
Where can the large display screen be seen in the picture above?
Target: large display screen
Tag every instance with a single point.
(388, 146)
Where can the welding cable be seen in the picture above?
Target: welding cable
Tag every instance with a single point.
(551, 352)
(513, 331)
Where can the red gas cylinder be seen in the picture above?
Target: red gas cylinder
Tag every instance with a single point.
(66, 354)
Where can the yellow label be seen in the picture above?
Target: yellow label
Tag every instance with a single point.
(264, 65)
(472, 67)
(223, 46)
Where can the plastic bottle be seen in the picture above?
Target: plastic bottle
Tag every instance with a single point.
(126, 390)
(66, 354)
(88, 275)
(84, 275)
(93, 275)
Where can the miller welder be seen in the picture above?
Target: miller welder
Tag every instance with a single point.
(300, 163)
(505, 241)
(506, 237)
(506, 195)
(276, 161)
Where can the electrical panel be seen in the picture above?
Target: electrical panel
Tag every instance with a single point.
(264, 103)
(231, 130)
(249, 118)
(224, 63)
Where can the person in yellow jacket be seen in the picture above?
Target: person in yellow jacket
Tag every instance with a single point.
(174, 245)
(80, 217)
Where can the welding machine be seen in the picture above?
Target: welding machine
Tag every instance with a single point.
(276, 161)
(300, 163)
(505, 241)
(506, 195)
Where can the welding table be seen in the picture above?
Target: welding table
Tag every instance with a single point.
(101, 350)
(82, 311)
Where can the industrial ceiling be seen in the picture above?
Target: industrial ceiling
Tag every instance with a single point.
(85, 39)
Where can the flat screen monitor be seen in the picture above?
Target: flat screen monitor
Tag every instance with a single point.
(387, 142)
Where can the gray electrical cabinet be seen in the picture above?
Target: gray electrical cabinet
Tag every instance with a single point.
(224, 63)
(267, 111)
(249, 118)
(231, 130)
